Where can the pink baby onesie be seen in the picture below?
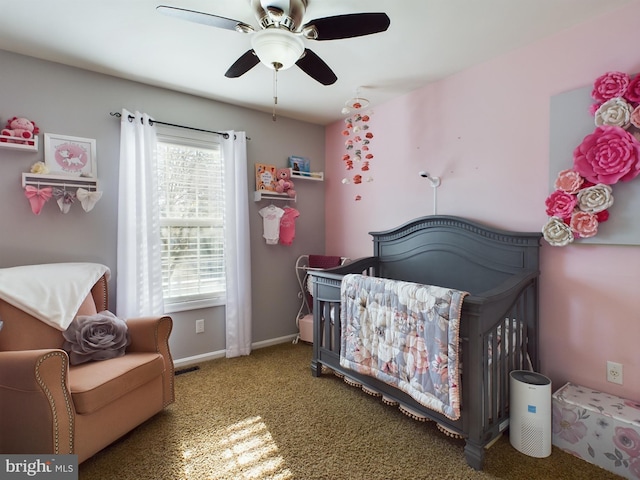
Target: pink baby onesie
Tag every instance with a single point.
(288, 225)
(271, 216)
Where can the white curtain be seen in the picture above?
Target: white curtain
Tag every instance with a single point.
(139, 274)
(237, 251)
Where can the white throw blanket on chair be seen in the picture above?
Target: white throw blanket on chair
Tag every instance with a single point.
(50, 292)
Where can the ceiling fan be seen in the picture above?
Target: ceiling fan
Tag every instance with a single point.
(278, 43)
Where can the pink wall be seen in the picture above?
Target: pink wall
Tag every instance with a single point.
(485, 131)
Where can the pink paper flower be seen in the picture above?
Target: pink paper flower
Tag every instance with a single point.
(627, 439)
(610, 85)
(568, 181)
(608, 155)
(635, 117)
(560, 204)
(633, 90)
(602, 216)
(584, 224)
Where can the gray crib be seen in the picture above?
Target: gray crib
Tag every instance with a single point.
(498, 325)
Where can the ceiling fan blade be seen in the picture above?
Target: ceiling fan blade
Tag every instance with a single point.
(204, 18)
(314, 66)
(241, 66)
(349, 25)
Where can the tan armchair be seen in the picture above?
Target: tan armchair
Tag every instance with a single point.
(48, 406)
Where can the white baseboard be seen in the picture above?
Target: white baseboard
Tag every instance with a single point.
(204, 357)
(188, 361)
(273, 341)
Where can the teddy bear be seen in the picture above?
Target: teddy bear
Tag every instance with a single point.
(21, 128)
(284, 183)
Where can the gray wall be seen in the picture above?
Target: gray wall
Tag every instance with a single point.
(70, 101)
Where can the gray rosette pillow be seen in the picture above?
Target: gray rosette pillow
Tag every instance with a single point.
(96, 337)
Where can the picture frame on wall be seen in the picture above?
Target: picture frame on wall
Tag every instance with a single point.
(73, 156)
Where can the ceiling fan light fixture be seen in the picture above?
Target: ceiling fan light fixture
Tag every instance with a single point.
(277, 49)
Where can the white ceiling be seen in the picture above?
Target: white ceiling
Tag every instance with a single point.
(427, 40)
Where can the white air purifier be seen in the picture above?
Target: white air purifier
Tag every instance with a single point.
(530, 413)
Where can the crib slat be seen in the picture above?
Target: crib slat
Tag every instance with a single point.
(326, 326)
(337, 327)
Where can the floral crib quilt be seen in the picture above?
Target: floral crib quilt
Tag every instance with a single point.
(404, 334)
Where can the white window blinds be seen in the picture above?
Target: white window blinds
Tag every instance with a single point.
(191, 220)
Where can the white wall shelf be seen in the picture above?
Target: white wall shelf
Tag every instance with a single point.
(259, 195)
(6, 139)
(267, 195)
(65, 181)
(317, 176)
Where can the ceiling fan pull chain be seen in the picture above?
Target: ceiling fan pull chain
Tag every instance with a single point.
(275, 93)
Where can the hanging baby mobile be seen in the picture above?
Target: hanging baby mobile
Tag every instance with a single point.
(358, 156)
(611, 154)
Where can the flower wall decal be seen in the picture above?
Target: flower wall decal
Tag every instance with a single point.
(608, 155)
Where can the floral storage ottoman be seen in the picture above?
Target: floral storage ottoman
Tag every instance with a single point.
(600, 428)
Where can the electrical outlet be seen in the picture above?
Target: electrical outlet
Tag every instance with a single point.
(200, 326)
(614, 372)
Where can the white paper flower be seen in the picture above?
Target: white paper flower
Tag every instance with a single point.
(615, 112)
(557, 233)
(39, 167)
(595, 199)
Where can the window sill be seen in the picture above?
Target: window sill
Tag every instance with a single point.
(193, 305)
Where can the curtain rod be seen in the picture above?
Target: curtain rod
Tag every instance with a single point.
(224, 134)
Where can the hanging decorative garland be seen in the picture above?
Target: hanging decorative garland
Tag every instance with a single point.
(358, 156)
(610, 154)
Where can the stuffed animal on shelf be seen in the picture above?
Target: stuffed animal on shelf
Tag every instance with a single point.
(284, 183)
(22, 129)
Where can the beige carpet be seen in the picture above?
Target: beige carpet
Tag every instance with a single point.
(265, 416)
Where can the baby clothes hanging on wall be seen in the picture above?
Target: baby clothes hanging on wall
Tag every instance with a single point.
(288, 225)
(271, 216)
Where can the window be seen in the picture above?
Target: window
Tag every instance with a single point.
(190, 180)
